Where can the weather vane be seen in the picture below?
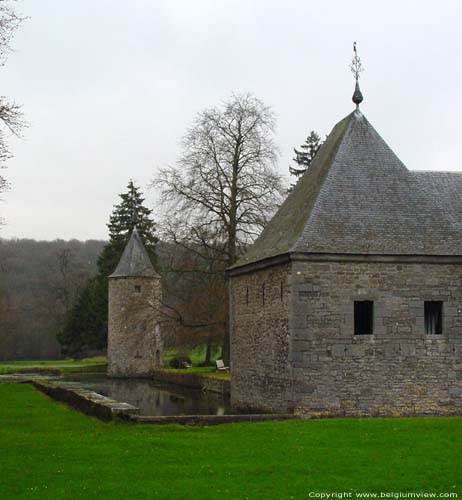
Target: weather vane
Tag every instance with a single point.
(356, 68)
(134, 220)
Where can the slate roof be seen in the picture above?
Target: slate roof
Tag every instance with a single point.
(135, 261)
(357, 197)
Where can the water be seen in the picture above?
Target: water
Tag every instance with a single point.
(153, 399)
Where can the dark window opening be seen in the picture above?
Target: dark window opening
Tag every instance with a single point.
(364, 317)
(282, 291)
(433, 317)
(263, 293)
(247, 296)
(137, 288)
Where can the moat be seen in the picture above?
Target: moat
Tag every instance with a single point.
(154, 399)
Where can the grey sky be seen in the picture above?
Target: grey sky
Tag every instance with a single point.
(109, 88)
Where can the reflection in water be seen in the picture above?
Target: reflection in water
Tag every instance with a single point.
(153, 399)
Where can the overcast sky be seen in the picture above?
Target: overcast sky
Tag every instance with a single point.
(109, 88)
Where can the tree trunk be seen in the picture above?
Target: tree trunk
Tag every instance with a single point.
(225, 354)
(208, 352)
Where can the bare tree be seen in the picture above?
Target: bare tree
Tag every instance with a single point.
(225, 187)
(11, 117)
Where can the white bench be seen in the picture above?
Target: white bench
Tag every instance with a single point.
(221, 366)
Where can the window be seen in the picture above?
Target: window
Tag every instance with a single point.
(364, 317)
(247, 296)
(137, 288)
(433, 317)
(263, 293)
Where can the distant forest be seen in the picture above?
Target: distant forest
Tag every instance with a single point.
(39, 282)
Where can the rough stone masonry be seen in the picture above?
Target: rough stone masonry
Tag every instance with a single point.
(298, 351)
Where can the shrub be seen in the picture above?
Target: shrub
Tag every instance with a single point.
(180, 362)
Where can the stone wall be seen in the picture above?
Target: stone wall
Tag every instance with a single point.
(260, 372)
(134, 337)
(325, 369)
(399, 370)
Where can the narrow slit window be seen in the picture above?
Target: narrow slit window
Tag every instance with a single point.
(364, 317)
(282, 291)
(137, 288)
(433, 317)
(247, 296)
(263, 293)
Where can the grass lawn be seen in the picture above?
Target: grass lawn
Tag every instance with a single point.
(197, 356)
(49, 451)
(95, 365)
(205, 371)
(64, 365)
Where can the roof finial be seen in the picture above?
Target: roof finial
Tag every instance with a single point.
(134, 220)
(134, 217)
(356, 68)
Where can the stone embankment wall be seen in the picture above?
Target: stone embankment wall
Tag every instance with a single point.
(85, 400)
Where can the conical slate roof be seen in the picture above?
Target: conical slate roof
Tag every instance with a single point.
(357, 197)
(135, 261)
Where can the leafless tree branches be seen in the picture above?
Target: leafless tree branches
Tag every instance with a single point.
(11, 117)
(219, 196)
(225, 187)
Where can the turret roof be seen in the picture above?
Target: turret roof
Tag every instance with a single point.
(135, 261)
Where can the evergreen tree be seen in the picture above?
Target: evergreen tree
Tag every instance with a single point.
(81, 331)
(306, 154)
(86, 325)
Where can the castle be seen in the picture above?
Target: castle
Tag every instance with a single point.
(350, 301)
(135, 346)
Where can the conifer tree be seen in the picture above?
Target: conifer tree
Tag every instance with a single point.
(121, 223)
(305, 155)
(86, 325)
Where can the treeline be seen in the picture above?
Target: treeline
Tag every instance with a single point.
(39, 283)
(213, 204)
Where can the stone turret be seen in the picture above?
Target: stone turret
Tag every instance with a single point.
(135, 292)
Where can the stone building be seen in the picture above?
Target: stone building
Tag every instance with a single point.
(135, 345)
(350, 302)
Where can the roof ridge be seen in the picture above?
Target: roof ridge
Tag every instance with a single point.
(316, 203)
(457, 172)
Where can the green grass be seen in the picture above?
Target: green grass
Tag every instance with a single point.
(205, 371)
(51, 452)
(96, 365)
(196, 355)
(64, 365)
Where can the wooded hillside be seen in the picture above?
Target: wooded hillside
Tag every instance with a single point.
(39, 281)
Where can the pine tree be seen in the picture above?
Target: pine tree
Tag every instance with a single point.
(86, 325)
(306, 154)
(131, 209)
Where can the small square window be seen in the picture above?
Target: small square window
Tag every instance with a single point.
(137, 288)
(433, 317)
(364, 317)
